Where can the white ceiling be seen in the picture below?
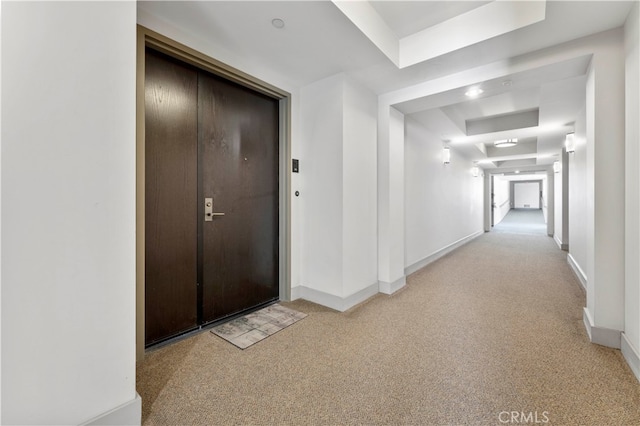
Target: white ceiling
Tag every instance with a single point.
(409, 17)
(319, 40)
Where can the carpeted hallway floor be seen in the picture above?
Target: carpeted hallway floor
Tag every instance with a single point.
(522, 221)
(492, 328)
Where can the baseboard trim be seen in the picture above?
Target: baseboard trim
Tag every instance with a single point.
(561, 246)
(391, 287)
(438, 254)
(600, 335)
(295, 293)
(129, 413)
(582, 277)
(631, 355)
(336, 302)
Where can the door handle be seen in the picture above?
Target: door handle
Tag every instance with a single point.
(208, 210)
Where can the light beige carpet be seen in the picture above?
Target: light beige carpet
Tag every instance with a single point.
(254, 327)
(492, 328)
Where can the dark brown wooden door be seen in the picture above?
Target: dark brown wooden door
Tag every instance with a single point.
(207, 137)
(238, 135)
(171, 123)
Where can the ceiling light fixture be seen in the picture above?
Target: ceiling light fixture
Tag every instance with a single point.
(504, 143)
(570, 143)
(474, 92)
(278, 23)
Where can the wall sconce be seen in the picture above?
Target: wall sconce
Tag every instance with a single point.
(475, 170)
(556, 167)
(446, 155)
(570, 143)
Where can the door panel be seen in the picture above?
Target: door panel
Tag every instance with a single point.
(238, 149)
(171, 197)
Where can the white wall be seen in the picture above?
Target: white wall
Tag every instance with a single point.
(526, 195)
(545, 198)
(321, 168)
(558, 207)
(339, 130)
(391, 199)
(605, 201)
(361, 191)
(68, 211)
(501, 198)
(443, 203)
(632, 187)
(577, 163)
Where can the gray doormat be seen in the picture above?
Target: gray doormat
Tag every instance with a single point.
(251, 328)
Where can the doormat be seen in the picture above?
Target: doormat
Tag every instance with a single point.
(256, 326)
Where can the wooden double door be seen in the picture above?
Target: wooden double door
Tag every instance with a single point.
(211, 198)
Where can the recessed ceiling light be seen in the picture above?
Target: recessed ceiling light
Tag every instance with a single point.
(507, 83)
(517, 171)
(278, 23)
(474, 92)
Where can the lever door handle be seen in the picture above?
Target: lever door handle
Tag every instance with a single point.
(208, 210)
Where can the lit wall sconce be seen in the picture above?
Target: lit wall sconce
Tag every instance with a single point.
(556, 167)
(446, 155)
(570, 143)
(475, 170)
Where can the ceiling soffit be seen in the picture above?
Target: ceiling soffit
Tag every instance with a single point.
(471, 27)
(497, 123)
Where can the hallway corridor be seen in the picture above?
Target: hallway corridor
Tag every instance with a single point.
(493, 328)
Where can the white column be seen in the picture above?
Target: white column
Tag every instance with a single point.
(390, 199)
(604, 314)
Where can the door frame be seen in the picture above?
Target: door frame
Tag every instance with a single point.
(149, 38)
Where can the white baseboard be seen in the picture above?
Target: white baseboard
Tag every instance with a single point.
(600, 335)
(631, 355)
(295, 293)
(336, 302)
(392, 287)
(438, 254)
(560, 244)
(582, 277)
(129, 413)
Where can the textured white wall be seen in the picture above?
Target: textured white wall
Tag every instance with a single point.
(68, 210)
(443, 203)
